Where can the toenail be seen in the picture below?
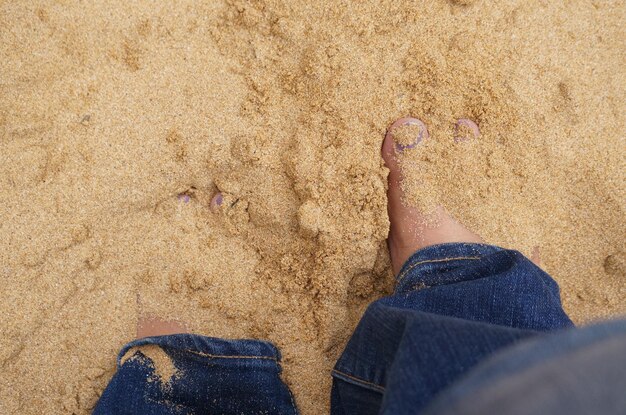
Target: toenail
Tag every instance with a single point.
(217, 201)
(466, 129)
(409, 134)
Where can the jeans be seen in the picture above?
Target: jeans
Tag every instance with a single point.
(428, 348)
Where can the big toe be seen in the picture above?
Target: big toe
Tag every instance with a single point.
(402, 135)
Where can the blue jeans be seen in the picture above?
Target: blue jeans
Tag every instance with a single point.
(456, 308)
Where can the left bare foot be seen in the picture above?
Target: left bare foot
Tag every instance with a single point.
(153, 326)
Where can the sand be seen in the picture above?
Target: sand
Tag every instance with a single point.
(119, 121)
(160, 362)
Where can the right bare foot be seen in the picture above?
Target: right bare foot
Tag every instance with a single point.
(412, 229)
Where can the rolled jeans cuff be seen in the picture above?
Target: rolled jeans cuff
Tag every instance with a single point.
(209, 347)
(428, 266)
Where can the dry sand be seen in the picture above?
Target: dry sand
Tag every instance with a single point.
(120, 120)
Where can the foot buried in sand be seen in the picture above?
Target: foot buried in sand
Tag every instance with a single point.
(412, 228)
(149, 326)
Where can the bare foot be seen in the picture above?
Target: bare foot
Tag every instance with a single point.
(410, 228)
(150, 325)
(536, 256)
(154, 326)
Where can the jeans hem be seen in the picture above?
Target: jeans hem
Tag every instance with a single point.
(425, 258)
(209, 347)
(357, 381)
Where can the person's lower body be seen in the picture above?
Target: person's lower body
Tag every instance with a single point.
(459, 304)
(455, 306)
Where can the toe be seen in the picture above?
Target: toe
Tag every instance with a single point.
(217, 201)
(466, 130)
(402, 135)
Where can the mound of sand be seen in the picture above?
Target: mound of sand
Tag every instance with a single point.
(120, 121)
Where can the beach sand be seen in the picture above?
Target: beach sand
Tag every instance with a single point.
(120, 120)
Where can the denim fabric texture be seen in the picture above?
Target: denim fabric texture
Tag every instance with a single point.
(215, 376)
(455, 305)
(573, 372)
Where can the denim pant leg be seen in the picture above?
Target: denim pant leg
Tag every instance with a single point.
(573, 372)
(454, 305)
(206, 376)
